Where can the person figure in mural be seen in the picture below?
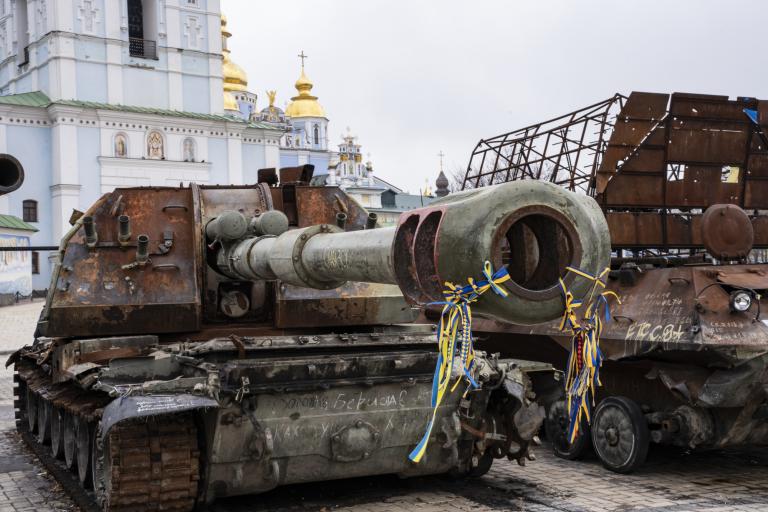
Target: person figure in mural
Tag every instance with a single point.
(189, 150)
(120, 146)
(155, 146)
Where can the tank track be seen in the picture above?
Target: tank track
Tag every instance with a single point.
(142, 465)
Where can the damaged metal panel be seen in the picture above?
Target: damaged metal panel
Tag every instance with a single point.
(349, 304)
(129, 407)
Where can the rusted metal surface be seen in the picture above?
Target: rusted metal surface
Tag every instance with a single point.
(149, 465)
(350, 304)
(681, 181)
(654, 162)
(726, 232)
(103, 289)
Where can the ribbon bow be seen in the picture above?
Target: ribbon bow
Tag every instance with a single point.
(586, 358)
(455, 332)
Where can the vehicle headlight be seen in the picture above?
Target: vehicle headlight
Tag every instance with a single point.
(740, 300)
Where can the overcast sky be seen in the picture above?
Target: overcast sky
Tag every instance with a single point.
(412, 78)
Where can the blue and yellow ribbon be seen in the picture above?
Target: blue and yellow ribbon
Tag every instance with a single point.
(586, 358)
(455, 334)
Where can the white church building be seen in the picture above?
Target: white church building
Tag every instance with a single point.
(97, 94)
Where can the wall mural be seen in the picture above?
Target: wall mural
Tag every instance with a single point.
(15, 266)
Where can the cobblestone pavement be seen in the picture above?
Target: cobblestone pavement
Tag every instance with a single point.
(17, 325)
(671, 481)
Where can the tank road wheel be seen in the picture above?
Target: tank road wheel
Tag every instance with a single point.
(148, 465)
(68, 438)
(620, 434)
(43, 420)
(83, 433)
(481, 464)
(556, 428)
(31, 403)
(57, 432)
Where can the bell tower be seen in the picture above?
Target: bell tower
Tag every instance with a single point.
(165, 54)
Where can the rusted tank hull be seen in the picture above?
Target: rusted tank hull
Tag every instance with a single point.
(344, 432)
(680, 179)
(675, 346)
(242, 415)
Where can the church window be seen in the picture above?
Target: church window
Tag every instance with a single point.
(316, 134)
(121, 145)
(35, 262)
(189, 150)
(22, 31)
(29, 210)
(155, 148)
(142, 28)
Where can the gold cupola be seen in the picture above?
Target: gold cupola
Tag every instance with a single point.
(235, 79)
(304, 104)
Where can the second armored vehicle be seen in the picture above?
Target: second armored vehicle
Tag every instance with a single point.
(682, 182)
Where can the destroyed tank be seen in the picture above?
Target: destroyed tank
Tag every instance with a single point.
(681, 180)
(209, 341)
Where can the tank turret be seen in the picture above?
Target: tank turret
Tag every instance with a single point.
(281, 324)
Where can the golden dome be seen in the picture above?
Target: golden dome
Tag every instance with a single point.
(304, 104)
(230, 103)
(235, 78)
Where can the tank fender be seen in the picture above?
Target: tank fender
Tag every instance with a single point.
(128, 407)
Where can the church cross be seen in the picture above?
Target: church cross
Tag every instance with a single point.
(441, 155)
(302, 57)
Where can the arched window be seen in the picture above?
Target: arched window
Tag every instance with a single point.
(317, 134)
(29, 210)
(155, 149)
(188, 150)
(121, 145)
(35, 262)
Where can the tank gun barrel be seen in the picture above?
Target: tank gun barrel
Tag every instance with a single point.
(536, 229)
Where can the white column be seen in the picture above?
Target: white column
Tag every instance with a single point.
(173, 40)
(216, 84)
(215, 81)
(113, 13)
(62, 75)
(175, 83)
(272, 156)
(65, 187)
(4, 203)
(235, 158)
(64, 199)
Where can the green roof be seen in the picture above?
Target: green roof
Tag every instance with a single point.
(39, 99)
(12, 222)
(26, 99)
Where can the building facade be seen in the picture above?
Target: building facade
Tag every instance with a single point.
(98, 94)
